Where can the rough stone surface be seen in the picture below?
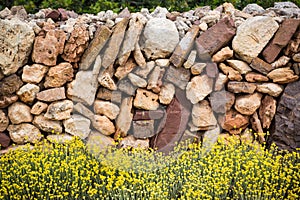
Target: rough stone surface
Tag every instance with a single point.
(5, 101)
(215, 38)
(138, 56)
(234, 121)
(198, 68)
(143, 129)
(4, 140)
(58, 75)
(59, 110)
(60, 139)
(166, 93)
(155, 79)
(131, 142)
(148, 114)
(137, 81)
(231, 73)
(143, 72)
(104, 125)
(34, 73)
(281, 39)
(53, 94)
(252, 36)
(220, 81)
(16, 44)
(19, 113)
(221, 101)
(109, 95)
(106, 81)
(47, 48)
(267, 111)
(4, 121)
(178, 76)
(126, 87)
(78, 126)
(257, 127)
(248, 104)
(241, 87)
(38, 108)
(146, 100)
(253, 77)
(123, 70)
(23, 133)
(97, 143)
(272, 89)
(283, 75)
(10, 85)
(199, 88)
(253, 9)
(261, 66)
(106, 108)
(123, 122)
(184, 47)
(27, 93)
(203, 116)
(47, 125)
(159, 38)
(190, 60)
(222, 55)
(240, 66)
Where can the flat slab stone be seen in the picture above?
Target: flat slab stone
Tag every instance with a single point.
(148, 114)
(241, 87)
(124, 119)
(178, 76)
(143, 129)
(221, 101)
(198, 88)
(53, 94)
(261, 66)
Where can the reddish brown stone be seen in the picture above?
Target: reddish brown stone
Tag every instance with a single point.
(4, 140)
(233, 122)
(10, 85)
(53, 14)
(267, 111)
(63, 14)
(53, 94)
(5, 101)
(261, 66)
(281, 39)
(148, 114)
(215, 37)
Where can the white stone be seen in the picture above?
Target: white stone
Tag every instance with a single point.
(167, 93)
(106, 108)
(27, 93)
(241, 66)
(137, 81)
(78, 126)
(59, 110)
(198, 88)
(19, 113)
(24, 133)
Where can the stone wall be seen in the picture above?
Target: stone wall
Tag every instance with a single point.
(151, 79)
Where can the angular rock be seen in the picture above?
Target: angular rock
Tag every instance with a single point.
(101, 37)
(98, 143)
(234, 121)
(109, 95)
(296, 57)
(257, 127)
(248, 104)
(267, 111)
(138, 56)
(5, 101)
(198, 68)
(53, 14)
(220, 82)
(123, 70)
(114, 44)
(184, 47)
(253, 77)
(270, 88)
(241, 66)
(281, 62)
(76, 44)
(137, 81)
(283, 75)
(199, 88)
(148, 114)
(38, 108)
(10, 85)
(24, 133)
(241, 87)
(58, 75)
(252, 36)
(5, 13)
(106, 81)
(16, 44)
(190, 60)
(155, 79)
(222, 55)
(143, 72)
(159, 38)
(203, 116)
(106, 108)
(212, 40)
(59, 110)
(178, 76)
(47, 48)
(123, 122)
(4, 121)
(131, 142)
(211, 69)
(47, 125)
(78, 126)
(222, 101)
(19, 113)
(146, 100)
(166, 93)
(162, 62)
(34, 73)
(104, 125)
(4, 140)
(126, 87)
(232, 74)
(53, 94)
(60, 139)
(261, 66)
(253, 9)
(284, 34)
(143, 129)
(27, 93)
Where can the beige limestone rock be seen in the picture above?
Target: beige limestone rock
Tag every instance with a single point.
(59, 110)
(98, 143)
(222, 55)
(166, 93)
(5, 101)
(104, 125)
(198, 88)
(78, 126)
(272, 89)
(255, 77)
(231, 73)
(23, 133)
(60, 138)
(138, 56)
(198, 68)
(137, 81)
(190, 60)
(123, 122)
(241, 66)
(123, 70)
(131, 142)
(267, 111)
(162, 62)
(19, 112)
(4, 121)
(203, 116)
(106, 108)
(58, 75)
(50, 95)
(143, 72)
(47, 125)
(155, 79)
(146, 100)
(34, 73)
(106, 81)
(38, 108)
(27, 93)
(220, 82)
(248, 104)
(283, 75)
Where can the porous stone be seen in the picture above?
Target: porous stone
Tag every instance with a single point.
(222, 55)
(241, 87)
(272, 89)
(252, 36)
(143, 72)
(203, 116)
(283, 75)
(98, 143)
(124, 119)
(47, 125)
(146, 100)
(10, 85)
(123, 70)
(59, 110)
(261, 66)
(198, 68)
(267, 111)
(16, 44)
(220, 82)
(24, 133)
(19, 112)
(132, 142)
(78, 126)
(155, 79)
(5, 101)
(58, 75)
(231, 73)
(104, 125)
(106, 81)
(178, 76)
(240, 66)
(47, 48)
(143, 129)
(53, 94)
(38, 108)
(190, 60)
(253, 77)
(34, 73)
(4, 121)
(248, 104)
(4, 140)
(27, 93)
(159, 38)
(106, 108)
(233, 121)
(166, 93)
(199, 88)
(221, 101)
(137, 81)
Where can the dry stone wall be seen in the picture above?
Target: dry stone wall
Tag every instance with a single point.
(151, 79)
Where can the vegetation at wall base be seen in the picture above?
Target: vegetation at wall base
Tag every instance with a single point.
(228, 171)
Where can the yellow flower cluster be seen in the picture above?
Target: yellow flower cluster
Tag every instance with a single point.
(226, 171)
